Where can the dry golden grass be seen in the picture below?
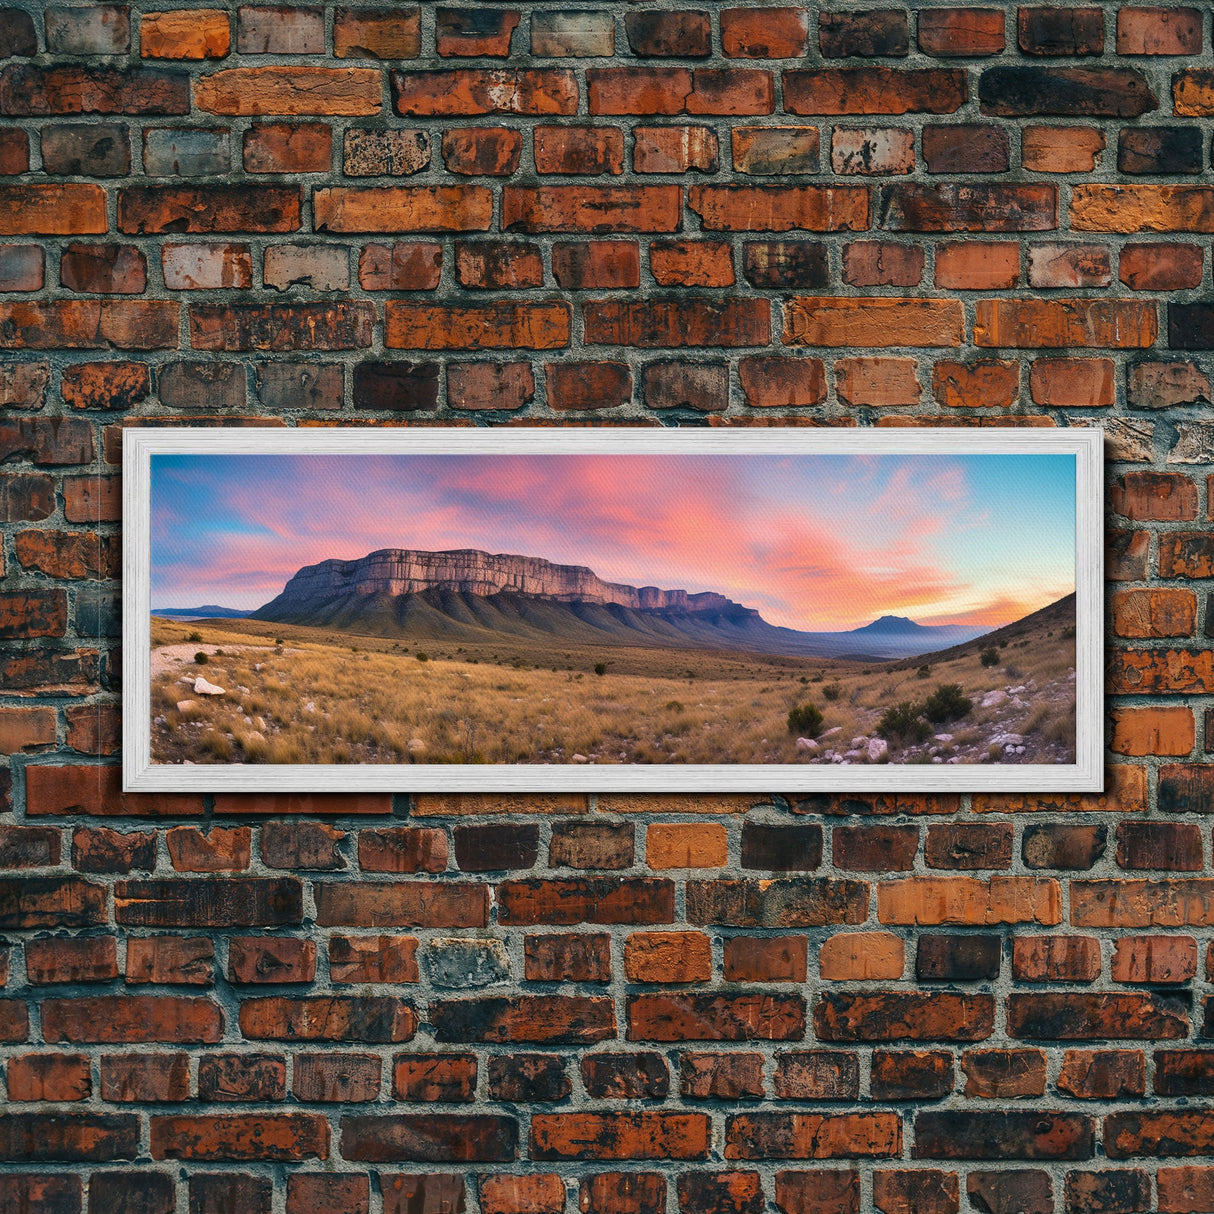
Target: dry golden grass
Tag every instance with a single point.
(318, 698)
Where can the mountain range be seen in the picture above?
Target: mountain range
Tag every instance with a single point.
(467, 595)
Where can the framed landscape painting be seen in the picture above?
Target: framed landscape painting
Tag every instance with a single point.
(672, 609)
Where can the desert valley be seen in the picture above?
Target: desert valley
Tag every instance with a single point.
(408, 656)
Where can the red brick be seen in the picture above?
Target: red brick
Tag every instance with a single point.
(290, 90)
(221, 849)
(244, 1137)
(1055, 958)
(1102, 1074)
(581, 385)
(376, 959)
(208, 209)
(630, 1135)
(402, 266)
(21, 268)
(691, 263)
(674, 149)
(1161, 267)
(496, 326)
(402, 209)
(916, 1191)
(336, 1078)
(766, 33)
(286, 147)
(71, 960)
(376, 33)
(655, 323)
(543, 1193)
(89, 324)
(199, 33)
(961, 32)
(668, 957)
(482, 151)
(132, 1018)
(14, 152)
(868, 151)
(468, 92)
(1159, 31)
(169, 960)
(1146, 731)
(434, 1077)
(703, 1016)
(588, 150)
(372, 1018)
(1154, 613)
(978, 266)
(499, 265)
(875, 263)
(985, 384)
(269, 959)
(794, 383)
(872, 321)
(679, 90)
(322, 1193)
(1037, 323)
(573, 957)
(30, 91)
(874, 90)
(103, 269)
(596, 264)
(810, 208)
(876, 1135)
(1072, 382)
(35, 1077)
(1162, 496)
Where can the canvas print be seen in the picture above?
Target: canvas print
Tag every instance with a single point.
(801, 609)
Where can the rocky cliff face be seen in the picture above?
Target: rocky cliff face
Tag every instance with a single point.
(398, 571)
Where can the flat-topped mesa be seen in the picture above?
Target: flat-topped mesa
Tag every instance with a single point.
(398, 571)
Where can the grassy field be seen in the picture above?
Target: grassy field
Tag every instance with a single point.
(300, 695)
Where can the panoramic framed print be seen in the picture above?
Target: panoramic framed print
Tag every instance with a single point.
(643, 609)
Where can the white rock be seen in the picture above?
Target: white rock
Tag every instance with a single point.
(808, 744)
(203, 688)
(186, 705)
(993, 699)
(943, 737)
(859, 740)
(578, 759)
(310, 706)
(937, 759)
(416, 746)
(878, 750)
(830, 733)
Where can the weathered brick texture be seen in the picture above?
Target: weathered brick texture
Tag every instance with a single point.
(830, 214)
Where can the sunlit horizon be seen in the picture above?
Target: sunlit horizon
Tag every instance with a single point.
(813, 542)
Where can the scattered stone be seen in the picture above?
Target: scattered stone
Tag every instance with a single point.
(993, 699)
(186, 705)
(416, 746)
(203, 688)
(878, 750)
(808, 744)
(578, 759)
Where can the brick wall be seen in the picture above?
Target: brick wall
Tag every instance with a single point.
(617, 1004)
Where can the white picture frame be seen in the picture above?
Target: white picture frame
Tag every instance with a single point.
(142, 445)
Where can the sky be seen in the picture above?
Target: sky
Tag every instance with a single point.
(814, 542)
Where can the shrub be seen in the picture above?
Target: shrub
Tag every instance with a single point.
(1068, 633)
(947, 703)
(924, 672)
(903, 724)
(423, 657)
(805, 720)
(201, 659)
(989, 656)
(195, 637)
(831, 692)
(600, 668)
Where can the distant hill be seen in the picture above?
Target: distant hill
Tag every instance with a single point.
(471, 596)
(209, 611)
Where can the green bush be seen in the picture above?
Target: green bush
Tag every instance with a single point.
(989, 656)
(600, 668)
(924, 672)
(201, 659)
(831, 692)
(805, 720)
(423, 657)
(195, 637)
(947, 703)
(903, 724)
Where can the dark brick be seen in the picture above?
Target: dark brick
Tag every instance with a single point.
(1056, 846)
(1061, 31)
(781, 848)
(1097, 92)
(869, 34)
(639, 1076)
(1160, 150)
(966, 1134)
(496, 848)
(397, 386)
(911, 1074)
(528, 1077)
(957, 958)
